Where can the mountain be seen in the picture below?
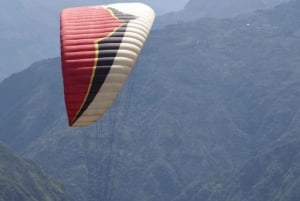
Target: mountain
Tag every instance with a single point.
(271, 176)
(228, 8)
(21, 180)
(33, 88)
(30, 30)
(205, 101)
(195, 9)
(19, 41)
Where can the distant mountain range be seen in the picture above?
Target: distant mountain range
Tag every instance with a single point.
(228, 8)
(30, 30)
(215, 9)
(21, 180)
(208, 97)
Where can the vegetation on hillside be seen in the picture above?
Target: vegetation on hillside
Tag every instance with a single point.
(274, 175)
(208, 96)
(22, 180)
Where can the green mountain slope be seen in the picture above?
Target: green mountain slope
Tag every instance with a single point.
(272, 176)
(30, 103)
(21, 180)
(208, 96)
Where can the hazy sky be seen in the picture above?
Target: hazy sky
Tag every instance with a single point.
(160, 6)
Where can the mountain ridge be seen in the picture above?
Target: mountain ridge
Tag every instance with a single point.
(215, 9)
(204, 101)
(21, 180)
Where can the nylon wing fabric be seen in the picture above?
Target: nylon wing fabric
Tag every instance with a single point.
(99, 47)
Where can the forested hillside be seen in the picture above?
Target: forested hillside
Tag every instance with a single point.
(21, 180)
(208, 96)
(274, 175)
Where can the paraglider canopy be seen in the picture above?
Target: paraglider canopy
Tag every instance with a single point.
(99, 47)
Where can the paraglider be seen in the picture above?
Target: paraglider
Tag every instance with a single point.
(99, 47)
